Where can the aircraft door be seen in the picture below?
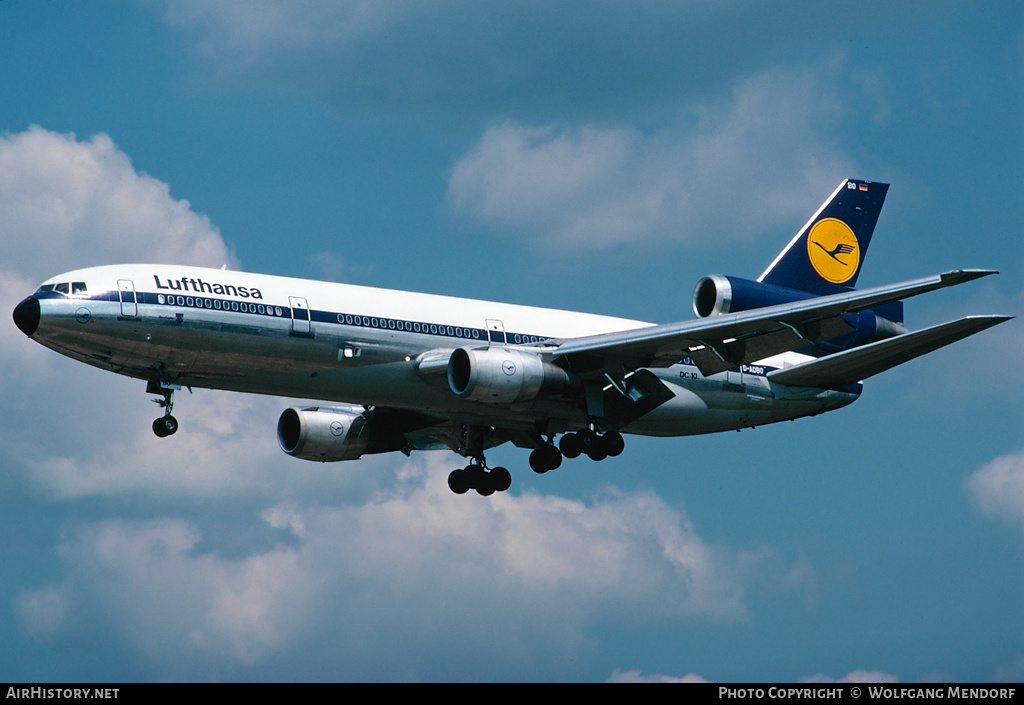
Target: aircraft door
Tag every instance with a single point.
(495, 332)
(126, 293)
(300, 316)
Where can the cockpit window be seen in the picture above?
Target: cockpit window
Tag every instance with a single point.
(62, 288)
(77, 287)
(45, 287)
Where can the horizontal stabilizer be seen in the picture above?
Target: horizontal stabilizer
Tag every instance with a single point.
(852, 366)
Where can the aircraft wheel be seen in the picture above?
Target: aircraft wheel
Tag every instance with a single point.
(538, 463)
(486, 487)
(614, 443)
(458, 482)
(501, 479)
(165, 426)
(570, 445)
(545, 458)
(158, 428)
(597, 452)
(588, 440)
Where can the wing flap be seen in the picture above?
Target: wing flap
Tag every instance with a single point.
(711, 359)
(851, 366)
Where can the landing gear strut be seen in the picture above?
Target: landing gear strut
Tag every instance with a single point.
(166, 425)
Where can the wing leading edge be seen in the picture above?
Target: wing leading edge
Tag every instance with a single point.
(733, 339)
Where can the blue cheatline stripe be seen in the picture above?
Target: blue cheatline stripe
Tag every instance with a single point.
(328, 317)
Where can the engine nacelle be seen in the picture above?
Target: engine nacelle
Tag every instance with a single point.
(322, 433)
(718, 294)
(500, 376)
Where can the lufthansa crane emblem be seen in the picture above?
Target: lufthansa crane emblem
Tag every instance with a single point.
(508, 367)
(337, 428)
(833, 250)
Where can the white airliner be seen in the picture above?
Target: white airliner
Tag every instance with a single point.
(406, 371)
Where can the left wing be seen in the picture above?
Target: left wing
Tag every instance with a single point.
(727, 341)
(851, 366)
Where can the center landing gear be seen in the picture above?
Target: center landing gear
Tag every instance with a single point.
(545, 458)
(166, 425)
(476, 476)
(596, 446)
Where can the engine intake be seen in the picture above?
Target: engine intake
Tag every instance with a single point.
(717, 294)
(323, 434)
(500, 376)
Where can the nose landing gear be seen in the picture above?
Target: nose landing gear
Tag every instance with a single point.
(166, 425)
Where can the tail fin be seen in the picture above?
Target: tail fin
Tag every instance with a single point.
(825, 256)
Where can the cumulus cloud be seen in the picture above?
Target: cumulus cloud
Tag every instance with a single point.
(751, 162)
(241, 32)
(635, 676)
(69, 203)
(855, 676)
(997, 488)
(507, 584)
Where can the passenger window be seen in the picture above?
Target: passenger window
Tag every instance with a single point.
(62, 287)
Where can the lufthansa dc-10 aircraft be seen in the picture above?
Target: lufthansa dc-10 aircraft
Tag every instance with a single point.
(402, 371)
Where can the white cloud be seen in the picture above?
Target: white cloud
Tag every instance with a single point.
(997, 488)
(240, 32)
(635, 676)
(752, 162)
(415, 584)
(70, 203)
(855, 676)
(1011, 672)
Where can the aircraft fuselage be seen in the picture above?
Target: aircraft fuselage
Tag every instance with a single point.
(264, 334)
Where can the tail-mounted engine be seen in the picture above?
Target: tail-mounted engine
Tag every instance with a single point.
(500, 376)
(322, 433)
(716, 294)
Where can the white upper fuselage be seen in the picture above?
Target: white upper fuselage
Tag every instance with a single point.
(361, 345)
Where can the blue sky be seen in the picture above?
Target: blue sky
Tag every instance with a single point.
(598, 157)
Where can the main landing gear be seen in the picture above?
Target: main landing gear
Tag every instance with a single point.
(166, 425)
(547, 456)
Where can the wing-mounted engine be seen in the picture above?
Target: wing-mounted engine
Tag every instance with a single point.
(716, 294)
(504, 376)
(323, 434)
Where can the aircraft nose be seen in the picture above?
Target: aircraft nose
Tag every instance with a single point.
(26, 315)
